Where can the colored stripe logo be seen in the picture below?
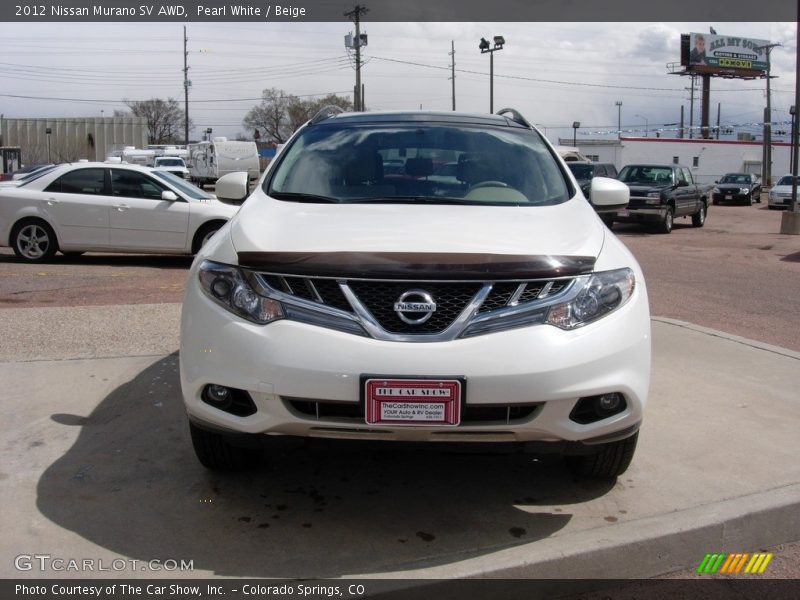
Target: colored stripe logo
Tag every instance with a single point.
(735, 563)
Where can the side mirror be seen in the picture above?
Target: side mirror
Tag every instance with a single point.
(233, 187)
(716, 181)
(169, 195)
(608, 195)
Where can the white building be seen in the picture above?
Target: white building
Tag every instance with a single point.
(708, 159)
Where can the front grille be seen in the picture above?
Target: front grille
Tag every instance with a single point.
(380, 296)
(371, 303)
(320, 410)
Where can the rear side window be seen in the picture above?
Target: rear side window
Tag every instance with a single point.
(80, 181)
(611, 171)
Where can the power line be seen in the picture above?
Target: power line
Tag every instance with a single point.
(552, 81)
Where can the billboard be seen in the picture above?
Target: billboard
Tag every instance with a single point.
(711, 52)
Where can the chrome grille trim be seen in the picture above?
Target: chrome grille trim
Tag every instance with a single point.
(471, 321)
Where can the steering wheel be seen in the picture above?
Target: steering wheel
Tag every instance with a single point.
(485, 184)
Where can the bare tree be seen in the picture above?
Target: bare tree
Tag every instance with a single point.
(279, 114)
(270, 115)
(164, 119)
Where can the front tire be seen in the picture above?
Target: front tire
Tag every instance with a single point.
(217, 454)
(204, 234)
(33, 240)
(699, 218)
(609, 462)
(665, 226)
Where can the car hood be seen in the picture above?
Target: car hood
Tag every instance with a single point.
(641, 190)
(396, 232)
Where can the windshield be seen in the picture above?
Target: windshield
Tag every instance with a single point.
(406, 163)
(170, 162)
(184, 186)
(735, 178)
(787, 180)
(581, 171)
(646, 175)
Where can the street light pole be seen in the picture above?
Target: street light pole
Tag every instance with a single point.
(48, 131)
(619, 119)
(499, 42)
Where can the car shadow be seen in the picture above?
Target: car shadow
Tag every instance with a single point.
(316, 508)
(794, 257)
(159, 261)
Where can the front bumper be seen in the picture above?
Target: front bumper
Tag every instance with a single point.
(537, 365)
(780, 201)
(641, 214)
(731, 197)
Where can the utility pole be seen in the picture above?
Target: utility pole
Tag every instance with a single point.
(680, 134)
(453, 71)
(691, 111)
(619, 119)
(719, 109)
(355, 16)
(766, 167)
(186, 84)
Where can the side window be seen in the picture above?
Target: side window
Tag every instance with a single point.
(132, 184)
(599, 171)
(80, 181)
(611, 171)
(687, 175)
(681, 173)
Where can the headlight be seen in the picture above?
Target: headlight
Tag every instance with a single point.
(225, 285)
(654, 194)
(744, 190)
(602, 294)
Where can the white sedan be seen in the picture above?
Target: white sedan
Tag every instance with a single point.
(106, 207)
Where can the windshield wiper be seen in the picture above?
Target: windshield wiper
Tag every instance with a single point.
(410, 200)
(301, 197)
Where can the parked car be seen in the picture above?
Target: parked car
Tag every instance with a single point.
(171, 164)
(780, 195)
(585, 171)
(86, 206)
(660, 193)
(737, 187)
(342, 303)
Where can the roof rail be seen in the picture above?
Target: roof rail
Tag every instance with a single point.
(326, 112)
(514, 116)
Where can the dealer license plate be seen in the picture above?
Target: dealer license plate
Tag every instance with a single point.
(728, 197)
(413, 401)
(623, 212)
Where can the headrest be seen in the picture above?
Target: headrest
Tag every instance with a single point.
(419, 167)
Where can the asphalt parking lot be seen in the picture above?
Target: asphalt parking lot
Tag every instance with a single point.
(98, 462)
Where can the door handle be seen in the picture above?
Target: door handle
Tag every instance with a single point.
(51, 201)
(121, 207)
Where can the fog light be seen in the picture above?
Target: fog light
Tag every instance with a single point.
(218, 395)
(608, 402)
(591, 409)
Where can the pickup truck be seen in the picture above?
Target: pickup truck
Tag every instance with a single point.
(660, 193)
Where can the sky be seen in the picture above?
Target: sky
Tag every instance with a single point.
(553, 73)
